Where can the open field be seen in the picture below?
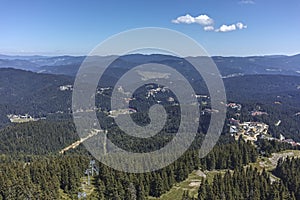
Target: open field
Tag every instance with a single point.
(193, 182)
(270, 163)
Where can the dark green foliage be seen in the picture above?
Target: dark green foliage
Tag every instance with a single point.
(288, 171)
(41, 179)
(267, 147)
(65, 171)
(37, 94)
(42, 137)
(243, 184)
(230, 156)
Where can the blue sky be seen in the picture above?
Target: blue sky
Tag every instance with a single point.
(75, 27)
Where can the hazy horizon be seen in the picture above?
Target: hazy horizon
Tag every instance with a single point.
(82, 55)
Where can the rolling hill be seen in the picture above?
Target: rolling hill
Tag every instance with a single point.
(228, 66)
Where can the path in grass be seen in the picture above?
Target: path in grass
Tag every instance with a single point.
(193, 181)
(191, 184)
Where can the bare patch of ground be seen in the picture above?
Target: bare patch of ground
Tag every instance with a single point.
(276, 156)
(195, 184)
(200, 173)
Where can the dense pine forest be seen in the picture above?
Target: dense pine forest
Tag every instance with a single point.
(244, 184)
(32, 166)
(45, 177)
(149, 100)
(288, 171)
(249, 183)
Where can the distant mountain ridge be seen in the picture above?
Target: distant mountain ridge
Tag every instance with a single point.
(41, 95)
(228, 66)
(35, 93)
(28, 92)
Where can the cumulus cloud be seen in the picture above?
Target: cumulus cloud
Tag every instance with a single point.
(232, 27)
(208, 23)
(240, 25)
(203, 20)
(208, 28)
(226, 28)
(187, 19)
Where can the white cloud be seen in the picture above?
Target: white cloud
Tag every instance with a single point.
(246, 2)
(208, 22)
(203, 20)
(226, 28)
(232, 27)
(187, 19)
(240, 25)
(208, 28)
